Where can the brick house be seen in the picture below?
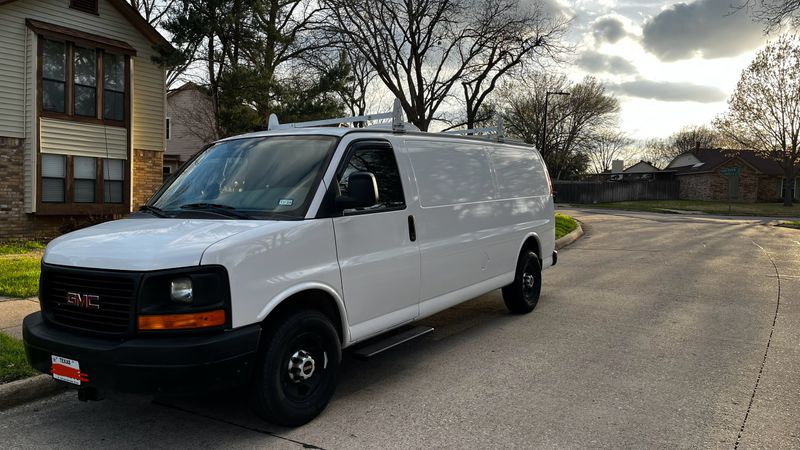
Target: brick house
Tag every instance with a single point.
(700, 173)
(81, 113)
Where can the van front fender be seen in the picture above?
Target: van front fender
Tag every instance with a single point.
(305, 287)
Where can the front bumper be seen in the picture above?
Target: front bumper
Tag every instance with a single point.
(147, 365)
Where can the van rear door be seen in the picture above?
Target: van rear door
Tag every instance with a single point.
(378, 255)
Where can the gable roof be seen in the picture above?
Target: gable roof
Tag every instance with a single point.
(642, 167)
(133, 16)
(711, 158)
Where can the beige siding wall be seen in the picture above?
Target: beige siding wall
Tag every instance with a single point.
(32, 137)
(17, 83)
(192, 121)
(83, 139)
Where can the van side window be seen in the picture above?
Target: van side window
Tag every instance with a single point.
(380, 162)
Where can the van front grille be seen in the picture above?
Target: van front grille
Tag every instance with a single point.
(89, 300)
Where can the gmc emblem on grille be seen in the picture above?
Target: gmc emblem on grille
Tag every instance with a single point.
(83, 300)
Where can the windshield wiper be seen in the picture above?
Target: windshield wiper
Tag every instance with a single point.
(158, 212)
(222, 210)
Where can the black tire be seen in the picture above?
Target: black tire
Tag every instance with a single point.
(522, 295)
(282, 393)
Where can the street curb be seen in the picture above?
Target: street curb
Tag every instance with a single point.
(28, 389)
(573, 236)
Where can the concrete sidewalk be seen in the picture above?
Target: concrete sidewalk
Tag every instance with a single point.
(12, 311)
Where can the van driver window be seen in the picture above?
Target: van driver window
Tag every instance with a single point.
(380, 162)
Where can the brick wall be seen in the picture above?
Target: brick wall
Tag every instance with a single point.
(14, 222)
(714, 186)
(148, 174)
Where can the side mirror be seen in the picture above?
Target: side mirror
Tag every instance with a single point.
(362, 192)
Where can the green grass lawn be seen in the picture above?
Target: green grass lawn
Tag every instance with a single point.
(791, 224)
(13, 365)
(736, 209)
(564, 225)
(19, 268)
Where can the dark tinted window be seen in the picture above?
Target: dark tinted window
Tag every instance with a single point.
(267, 176)
(380, 161)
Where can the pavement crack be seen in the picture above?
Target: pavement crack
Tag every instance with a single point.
(229, 422)
(766, 350)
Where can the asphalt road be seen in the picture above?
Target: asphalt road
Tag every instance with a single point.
(652, 331)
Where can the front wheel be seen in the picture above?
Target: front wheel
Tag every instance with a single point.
(522, 295)
(297, 368)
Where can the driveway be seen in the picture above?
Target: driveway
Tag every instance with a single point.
(652, 331)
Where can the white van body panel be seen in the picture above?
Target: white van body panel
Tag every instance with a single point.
(472, 223)
(144, 244)
(474, 204)
(267, 264)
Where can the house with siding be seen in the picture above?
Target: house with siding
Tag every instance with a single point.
(82, 107)
(701, 174)
(191, 125)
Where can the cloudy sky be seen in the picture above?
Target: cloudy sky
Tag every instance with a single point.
(671, 63)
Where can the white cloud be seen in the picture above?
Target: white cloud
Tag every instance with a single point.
(703, 28)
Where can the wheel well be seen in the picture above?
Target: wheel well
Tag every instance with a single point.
(312, 299)
(533, 244)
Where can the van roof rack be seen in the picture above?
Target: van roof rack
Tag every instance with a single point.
(496, 130)
(398, 124)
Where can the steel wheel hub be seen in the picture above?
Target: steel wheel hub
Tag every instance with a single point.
(527, 280)
(301, 366)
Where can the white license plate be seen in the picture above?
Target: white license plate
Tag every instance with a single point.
(69, 370)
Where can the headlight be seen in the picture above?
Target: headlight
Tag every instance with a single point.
(181, 290)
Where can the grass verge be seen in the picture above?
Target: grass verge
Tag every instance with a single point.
(792, 224)
(13, 365)
(564, 225)
(721, 208)
(19, 268)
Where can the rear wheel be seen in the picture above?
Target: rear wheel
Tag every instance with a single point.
(522, 295)
(297, 368)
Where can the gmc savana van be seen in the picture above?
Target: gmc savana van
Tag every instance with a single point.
(269, 253)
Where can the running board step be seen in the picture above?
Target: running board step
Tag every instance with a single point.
(392, 340)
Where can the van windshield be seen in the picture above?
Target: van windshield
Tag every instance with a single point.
(268, 177)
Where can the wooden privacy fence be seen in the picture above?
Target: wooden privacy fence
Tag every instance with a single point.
(594, 192)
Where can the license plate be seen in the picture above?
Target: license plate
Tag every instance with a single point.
(69, 370)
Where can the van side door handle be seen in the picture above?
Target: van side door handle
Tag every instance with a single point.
(412, 229)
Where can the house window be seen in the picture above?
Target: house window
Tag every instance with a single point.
(168, 127)
(85, 89)
(114, 84)
(113, 177)
(54, 175)
(84, 184)
(80, 99)
(54, 72)
(87, 6)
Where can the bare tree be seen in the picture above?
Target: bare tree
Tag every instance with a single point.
(153, 11)
(772, 13)
(606, 146)
(421, 49)
(764, 110)
(512, 34)
(571, 121)
(689, 138)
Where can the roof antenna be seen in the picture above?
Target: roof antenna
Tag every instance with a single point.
(398, 125)
(273, 122)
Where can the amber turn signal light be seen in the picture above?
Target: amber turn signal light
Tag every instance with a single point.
(182, 321)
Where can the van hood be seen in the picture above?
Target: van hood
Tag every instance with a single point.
(145, 244)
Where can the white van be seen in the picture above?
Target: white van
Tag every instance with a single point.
(269, 253)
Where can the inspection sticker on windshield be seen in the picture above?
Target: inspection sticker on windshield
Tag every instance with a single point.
(68, 370)
(286, 202)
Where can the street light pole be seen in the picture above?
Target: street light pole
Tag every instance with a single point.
(544, 121)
